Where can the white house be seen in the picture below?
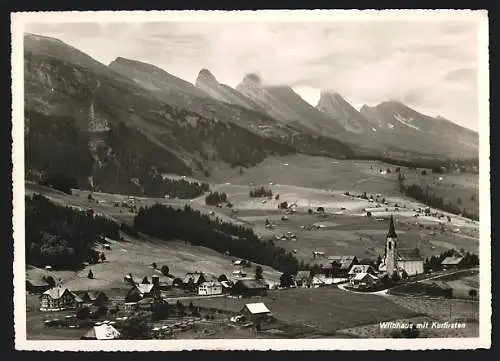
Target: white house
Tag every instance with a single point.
(362, 280)
(210, 288)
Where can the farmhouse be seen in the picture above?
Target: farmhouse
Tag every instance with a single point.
(196, 278)
(102, 332)
(256, 312)
(361, 268)
(342, 264)
(453, 262)
(141, 291)
(399, 260)
(58, 299)
(97, 298)
(303, 279)
(249, 287)
(210, 288)
(363, 280)
(37, 286)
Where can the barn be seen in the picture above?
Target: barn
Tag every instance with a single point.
(249, 288)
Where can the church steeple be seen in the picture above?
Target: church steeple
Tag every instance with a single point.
(392, 230)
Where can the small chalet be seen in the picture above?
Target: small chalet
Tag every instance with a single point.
(210, 288)
(95, 298)
(141, 291)
(37, 286)
(102, 332)
(363, 280)
(256, 312)
(342, 264)
(303, 279)
(58, 299)
(452, 262)
(249, 287)
(196, 278)
(361, 268)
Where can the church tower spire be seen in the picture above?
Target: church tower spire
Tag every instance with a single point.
(392, 230)
(391, 249)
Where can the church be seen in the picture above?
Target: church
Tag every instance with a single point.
(399, 260)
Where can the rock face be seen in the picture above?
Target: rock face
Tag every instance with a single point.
(405, 127)
(335, 106)
(282, 103)
(207, 82)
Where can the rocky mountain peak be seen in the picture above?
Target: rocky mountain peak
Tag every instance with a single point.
(252, 79)
(205, 76)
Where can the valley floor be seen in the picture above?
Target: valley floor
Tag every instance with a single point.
(309, 182)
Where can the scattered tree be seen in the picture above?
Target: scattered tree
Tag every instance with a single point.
(258, 273)
(286, 279)
(145, 280)
(154, 265)
(165, 270)
(90, 275)
(103, 257)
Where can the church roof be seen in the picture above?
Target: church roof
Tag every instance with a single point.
(409, 255)
(392, 230)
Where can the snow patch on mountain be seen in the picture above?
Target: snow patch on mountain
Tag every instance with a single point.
(405, 121)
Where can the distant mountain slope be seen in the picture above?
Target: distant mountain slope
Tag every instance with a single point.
(229, 105)
(138, 135)
(399, 123)
(338, 108)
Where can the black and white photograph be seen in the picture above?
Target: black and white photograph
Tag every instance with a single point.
(261, 179)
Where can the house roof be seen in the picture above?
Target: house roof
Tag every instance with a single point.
(409, 255)
(449, 261)
(363, 275)
(210, 284)
(392, 229)
(257, 308)
(344, 261)
(103, 332)
(359, 268)
(251, 283)
(144, 288)
(57, 292)
(226, 284)
(194, 275)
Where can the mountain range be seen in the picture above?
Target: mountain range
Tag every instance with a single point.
(131, 120)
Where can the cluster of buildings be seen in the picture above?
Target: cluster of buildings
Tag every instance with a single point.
(143, 295)
(347, 267)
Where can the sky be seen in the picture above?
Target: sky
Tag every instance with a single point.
(430, 66)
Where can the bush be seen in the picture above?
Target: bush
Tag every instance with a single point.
(160, 311)
(135, 328)
(83, 313)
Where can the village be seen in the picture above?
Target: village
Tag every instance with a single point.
(171, 306)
